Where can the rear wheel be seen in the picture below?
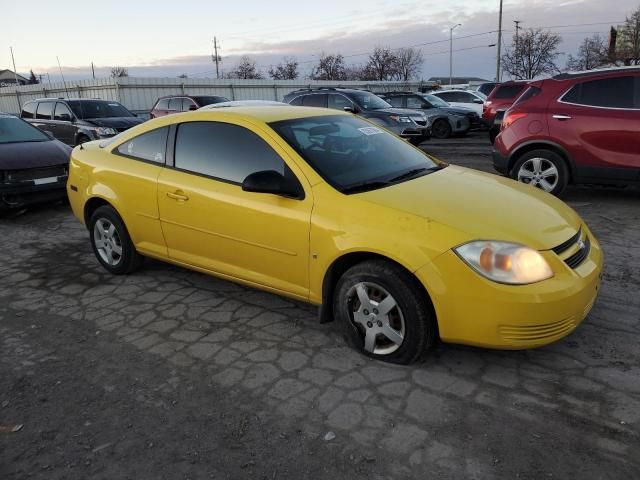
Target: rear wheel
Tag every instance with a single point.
(543, 169)
(441, 129)
(111, 243)
(384, 313)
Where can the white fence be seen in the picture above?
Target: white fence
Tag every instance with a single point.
(140, 94)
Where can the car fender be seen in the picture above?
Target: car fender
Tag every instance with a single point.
(534, 144)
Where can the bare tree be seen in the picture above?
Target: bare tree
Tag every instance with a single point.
(330, 67)
(382, 64)
(408, 63)
(246, 69)
(33, 80)
(534, 53)
(119, 72)
(628, 41)
(287, 70)
(592, 53)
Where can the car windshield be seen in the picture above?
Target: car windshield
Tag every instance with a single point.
(15, 130)
(208, 100)
(436, 101)
(369, 101)
(353, 155)
(85, 109)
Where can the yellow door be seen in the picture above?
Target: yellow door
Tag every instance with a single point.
(208, 220)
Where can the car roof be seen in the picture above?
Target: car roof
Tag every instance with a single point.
(244, 103)
(59, 99)
(264, 113)
(452, 90)
(597, 71)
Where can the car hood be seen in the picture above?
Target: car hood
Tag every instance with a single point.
(483, 207)
(115, 122)
(399, 111)
(457, 110)
(18, 156)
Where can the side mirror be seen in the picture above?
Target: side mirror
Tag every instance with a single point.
(478, 100)
(193, 107)
(351, 109)
(65, 117)
(270, 181)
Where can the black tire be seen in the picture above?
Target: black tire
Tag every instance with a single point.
(82, 139)
(419, 323)
(441, 129)
(546, 156)
(493, 133)
(129, 259)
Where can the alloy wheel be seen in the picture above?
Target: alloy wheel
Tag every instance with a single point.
(539, 172)
(107, 242)
(377, 317)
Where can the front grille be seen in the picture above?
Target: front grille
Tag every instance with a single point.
(529, 333)
(566, 245)
(577, 258)
(18, 176)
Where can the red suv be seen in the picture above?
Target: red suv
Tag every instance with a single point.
(573, 128)
(182, 103)
(500, 99)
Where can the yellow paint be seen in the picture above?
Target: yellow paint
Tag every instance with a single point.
(286, 246)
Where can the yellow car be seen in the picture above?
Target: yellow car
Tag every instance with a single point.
(399, 248)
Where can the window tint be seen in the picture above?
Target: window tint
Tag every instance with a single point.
(224, 151)
(62, 112)
(315, 100)
(529, 93)
(150, 146)
(175, 104)
(296, 101)
(28, 110)
(508, 91)
(415, 102)
(338, 102)
(163, 104)
(608, 92)
(465, 97)
(44, 111)
(448, 96)
(395, 101)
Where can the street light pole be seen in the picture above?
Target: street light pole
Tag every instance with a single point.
(499, 43)
(451, 52)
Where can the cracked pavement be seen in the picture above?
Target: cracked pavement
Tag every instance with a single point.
(569, 410)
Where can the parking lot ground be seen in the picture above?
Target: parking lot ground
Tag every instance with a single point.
(170, 374)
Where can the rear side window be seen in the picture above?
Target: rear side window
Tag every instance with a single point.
(296, 101)
(529, 93)
(448, 96)
(149, 147)
(338, 102)
(62, 113)
(608, 92)
(45, 109)
(163, 104)
(223, 151)
(508, 91)
(175, 104)
(395, 101)
(317, 100)
(28, 110)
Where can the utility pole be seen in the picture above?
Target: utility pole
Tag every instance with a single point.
(15, 74)
(215, 56)
(451, 52)
(517, 22)
(62, 75)
(499, 44)
(93, 71)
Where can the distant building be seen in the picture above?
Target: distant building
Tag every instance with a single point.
(8, 78)
(458, 80)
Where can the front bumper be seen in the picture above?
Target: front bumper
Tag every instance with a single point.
(28, 193)
(411, 131)
(473, 310)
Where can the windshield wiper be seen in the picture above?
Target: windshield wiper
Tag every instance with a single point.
(364, 187)
(413, 173)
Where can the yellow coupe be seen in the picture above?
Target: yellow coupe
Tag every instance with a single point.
(399, 248)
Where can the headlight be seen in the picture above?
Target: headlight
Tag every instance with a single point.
(505, 262)
(401, 119)
(105, 131)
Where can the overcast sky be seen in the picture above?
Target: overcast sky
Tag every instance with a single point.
(159, 38)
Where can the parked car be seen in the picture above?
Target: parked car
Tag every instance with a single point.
(78, 120)
(486, 88)
(462, 98)
(444, 120)
(324, 207)
(33, 166)
(500, 99)
(410, 124)
(574, 128)
(244, 103)
(183, 103)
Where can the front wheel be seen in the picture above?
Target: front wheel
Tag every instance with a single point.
(111, 242)
(543, 169)
(384, 312)
(441, 129)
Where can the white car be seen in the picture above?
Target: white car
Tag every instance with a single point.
(462, 98)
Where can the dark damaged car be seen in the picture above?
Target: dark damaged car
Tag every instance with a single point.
(33, 166)
(78, 120)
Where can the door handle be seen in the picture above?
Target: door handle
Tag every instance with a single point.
(179, 196)
(561, 117)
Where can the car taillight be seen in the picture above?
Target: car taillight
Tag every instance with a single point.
(510, 118)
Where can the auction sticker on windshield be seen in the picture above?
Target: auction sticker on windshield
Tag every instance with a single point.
(370, 130)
